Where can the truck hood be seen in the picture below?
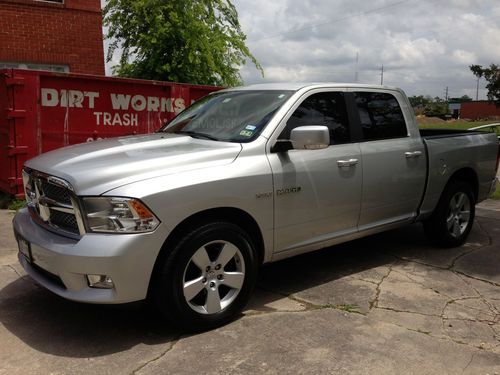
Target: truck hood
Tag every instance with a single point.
(96, 167)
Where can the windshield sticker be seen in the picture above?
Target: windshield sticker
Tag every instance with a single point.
(246, 133)
(227, 100)
(250, 127)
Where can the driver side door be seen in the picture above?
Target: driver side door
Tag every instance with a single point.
(317, 196)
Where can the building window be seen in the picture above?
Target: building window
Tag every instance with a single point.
(34, 66)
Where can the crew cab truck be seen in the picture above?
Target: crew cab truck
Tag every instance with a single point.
(245, 176)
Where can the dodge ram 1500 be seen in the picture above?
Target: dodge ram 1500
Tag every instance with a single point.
(245, 176)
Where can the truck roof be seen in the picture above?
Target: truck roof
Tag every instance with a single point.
(295, 86)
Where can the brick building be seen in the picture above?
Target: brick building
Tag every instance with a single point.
(56, 35)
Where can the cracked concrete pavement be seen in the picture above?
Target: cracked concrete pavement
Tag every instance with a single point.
(390, 303)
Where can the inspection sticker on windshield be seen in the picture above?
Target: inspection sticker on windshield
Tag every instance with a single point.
(250, 127)
(246, 133)
(227, 100)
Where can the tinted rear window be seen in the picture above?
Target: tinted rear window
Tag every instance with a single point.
(380, 115)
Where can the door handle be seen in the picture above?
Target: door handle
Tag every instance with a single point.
(412, 155)
(347, 163)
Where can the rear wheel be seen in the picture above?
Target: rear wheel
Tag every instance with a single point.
(208, 277)
(452, 220)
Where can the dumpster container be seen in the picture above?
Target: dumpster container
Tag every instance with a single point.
(42, 111)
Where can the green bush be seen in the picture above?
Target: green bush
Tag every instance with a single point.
(496, 194)
(16, 204)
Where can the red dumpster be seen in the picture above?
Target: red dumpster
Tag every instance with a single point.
(42, 111)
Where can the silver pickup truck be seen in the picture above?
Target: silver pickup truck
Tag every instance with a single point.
(186, 216)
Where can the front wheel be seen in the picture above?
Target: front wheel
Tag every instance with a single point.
(453, 217)
(208, 277)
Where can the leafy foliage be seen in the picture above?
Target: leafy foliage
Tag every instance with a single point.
(420, 100)
(16, 204)
(429, 106)
(183, 41)
(438, 108)
(492, 76)
(496, 194)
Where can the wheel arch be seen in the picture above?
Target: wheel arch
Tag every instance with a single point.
(230, 214)
(469, 176)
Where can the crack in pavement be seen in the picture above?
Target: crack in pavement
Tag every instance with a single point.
(147, 363)
(470, 361)
(490, 242)
(374, 302)
(15, 271)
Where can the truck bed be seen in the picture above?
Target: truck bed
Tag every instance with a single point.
(445, 133)
(450, 150)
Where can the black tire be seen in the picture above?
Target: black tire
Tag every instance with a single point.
(179, 266)
(437, 227)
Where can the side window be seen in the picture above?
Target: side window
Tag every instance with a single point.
(380, 116)
(327, 109)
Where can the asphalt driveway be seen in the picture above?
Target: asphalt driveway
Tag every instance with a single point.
(390, 303)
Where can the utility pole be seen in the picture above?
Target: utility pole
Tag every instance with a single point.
(382, 75)
(477, 89)
(446, 94)
(356, 71)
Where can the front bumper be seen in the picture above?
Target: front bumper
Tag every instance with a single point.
(61, 264)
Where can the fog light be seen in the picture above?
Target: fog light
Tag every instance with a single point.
(100, 281)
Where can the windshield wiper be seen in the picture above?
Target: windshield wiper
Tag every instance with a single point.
(197, 135)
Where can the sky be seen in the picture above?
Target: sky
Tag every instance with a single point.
(423, 45)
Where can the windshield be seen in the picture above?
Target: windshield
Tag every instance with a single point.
(234, 116)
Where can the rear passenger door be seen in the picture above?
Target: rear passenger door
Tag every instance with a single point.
(394, 163)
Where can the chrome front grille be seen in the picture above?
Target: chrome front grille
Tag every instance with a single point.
(65, 221)
(52, 203)
(57, 193)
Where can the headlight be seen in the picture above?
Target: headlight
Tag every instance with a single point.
(118, 215)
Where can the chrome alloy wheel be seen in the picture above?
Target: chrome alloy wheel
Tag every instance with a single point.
(458, 216)
(213, 277)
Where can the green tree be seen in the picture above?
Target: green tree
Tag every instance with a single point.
(492, 76)
(183, 41)
(419, 100)
(437, 107)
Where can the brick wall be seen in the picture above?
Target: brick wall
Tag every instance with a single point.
(479, 110)
(51, 33)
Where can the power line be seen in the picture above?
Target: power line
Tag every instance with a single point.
(341, 19)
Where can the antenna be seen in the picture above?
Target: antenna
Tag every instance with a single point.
(382, 75)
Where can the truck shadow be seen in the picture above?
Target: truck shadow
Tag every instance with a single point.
(50, 324)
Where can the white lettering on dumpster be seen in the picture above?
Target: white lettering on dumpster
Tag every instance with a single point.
(122, 109)
(68, 98)
(109, 119)
(126, 102)
(149, 103)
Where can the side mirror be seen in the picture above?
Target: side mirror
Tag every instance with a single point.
(310, 137)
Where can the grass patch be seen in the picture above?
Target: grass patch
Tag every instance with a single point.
(16, 204)
(348, 307)
(352, 308)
